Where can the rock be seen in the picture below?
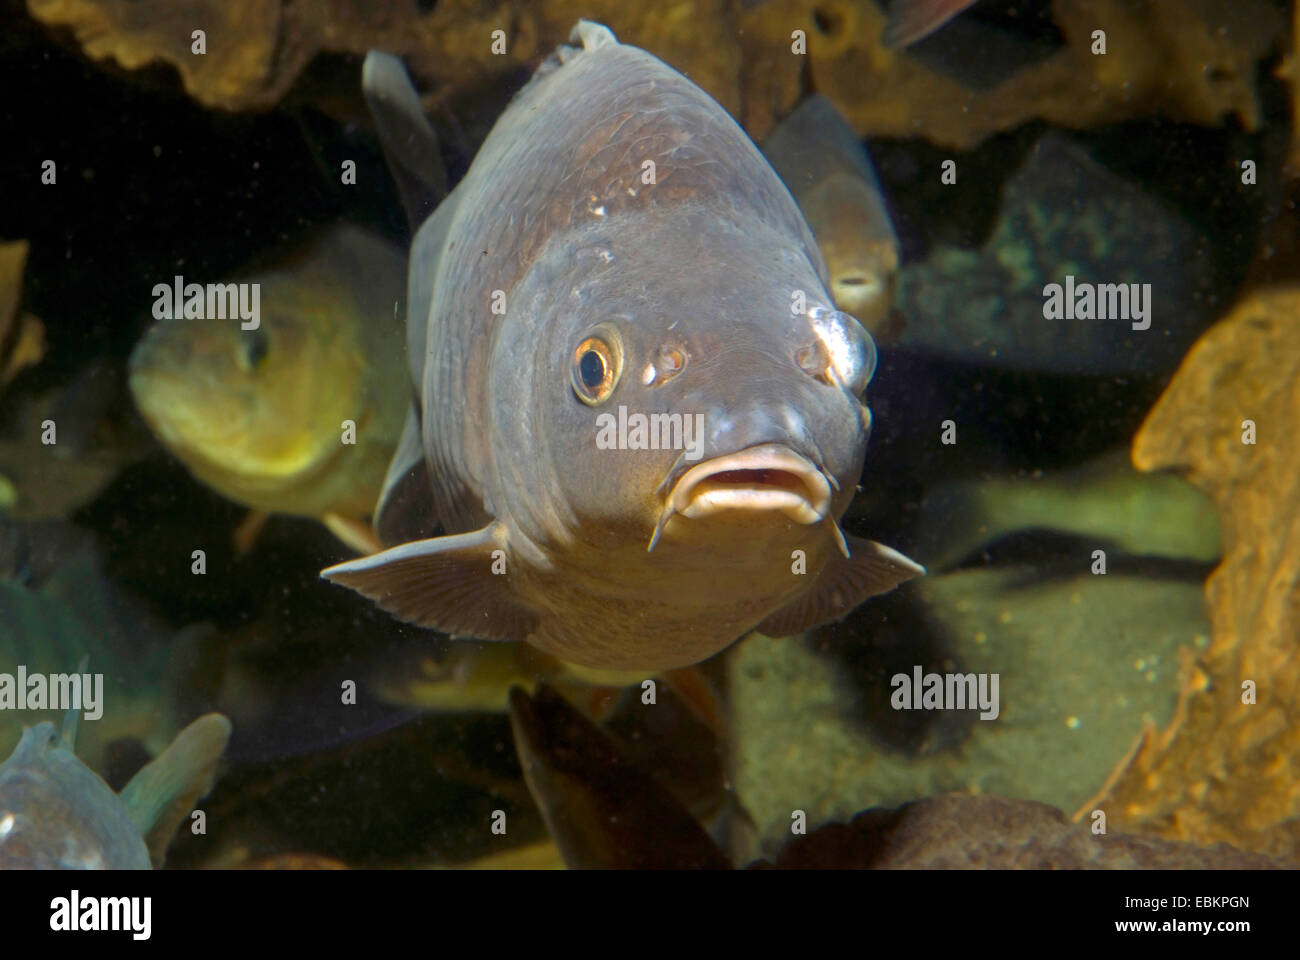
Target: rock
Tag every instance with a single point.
(1290, 73)
(1229, 771)
(257, 49)
(22, 337)
(1192, 61)
(1063, 214)
(1084, 663)
(994, 833)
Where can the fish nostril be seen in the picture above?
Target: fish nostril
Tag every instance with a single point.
(814, 360)
(668, 362)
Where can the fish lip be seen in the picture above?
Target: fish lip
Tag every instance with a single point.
(783, 480)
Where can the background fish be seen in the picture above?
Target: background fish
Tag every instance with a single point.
(827, 169)
(470, 675)
(97, 437)
(257, 414)
(700, 294)
(56, 813)
(58, 607)
(603, 812)
(912, 20)
(1107, 501)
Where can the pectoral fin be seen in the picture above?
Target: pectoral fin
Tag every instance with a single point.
(870, 568)
(446, 583)
(249, 529)
(355, 534)
(164, 792)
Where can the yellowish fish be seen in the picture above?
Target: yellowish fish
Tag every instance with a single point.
(300, 415)
(477, 676)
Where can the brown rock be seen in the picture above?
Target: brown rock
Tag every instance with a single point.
(22, 337)
(256, 49)
(1231, 770)
(773, 74)
(962, 832)
(1192, 61)
(1289, 72)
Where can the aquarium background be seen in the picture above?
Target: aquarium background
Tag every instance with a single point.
(1159, 690)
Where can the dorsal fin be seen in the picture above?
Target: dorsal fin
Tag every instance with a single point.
(165, 790)
(913, 20)
(69, 732)
(72, 716)
(410, 145)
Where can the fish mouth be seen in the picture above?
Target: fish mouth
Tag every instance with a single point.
(769, 477)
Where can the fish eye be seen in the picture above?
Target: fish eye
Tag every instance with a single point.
(253, 348)
(842, 353)
(596, 367)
